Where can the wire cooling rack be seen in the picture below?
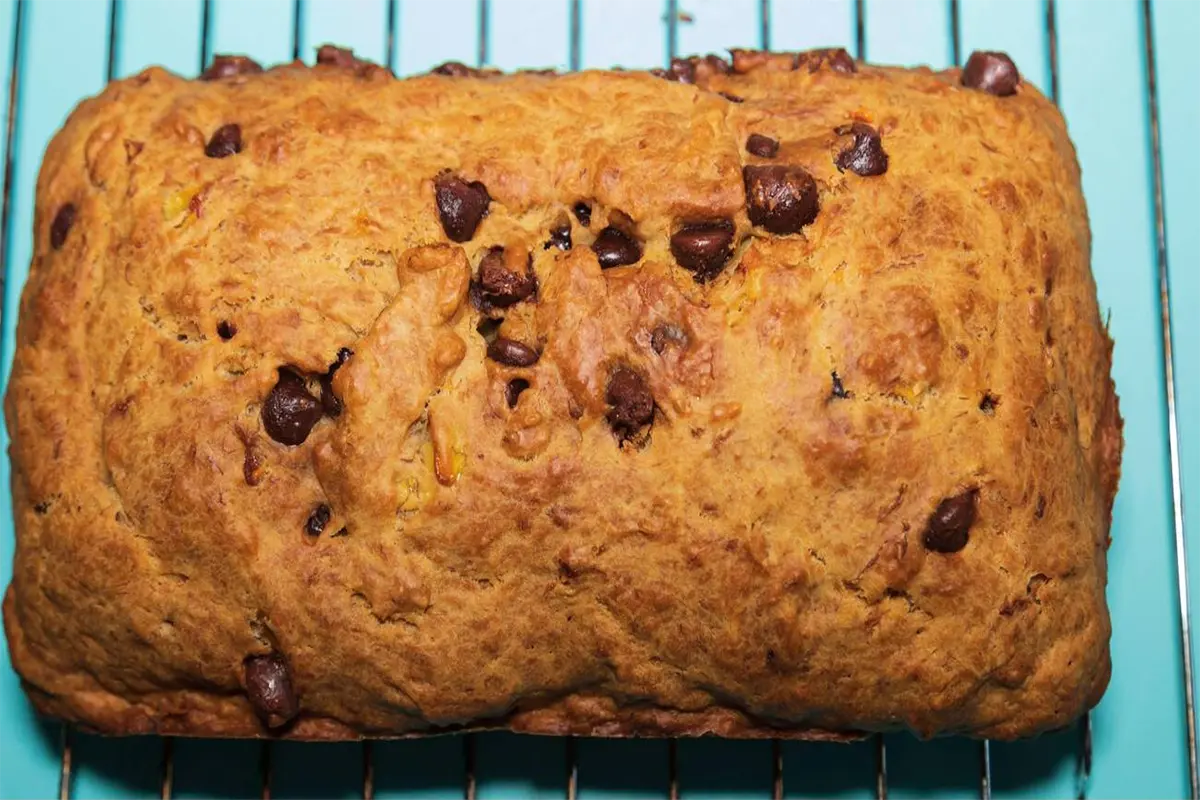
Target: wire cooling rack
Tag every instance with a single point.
(1124, 72)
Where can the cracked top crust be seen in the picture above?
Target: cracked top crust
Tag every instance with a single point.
(770, 399)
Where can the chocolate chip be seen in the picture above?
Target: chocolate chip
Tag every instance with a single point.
(269, 689)
(512, 353)
(227, 141)
(583, 213)
(665, 335)
(497, 287)
(703, 248)
(781, 198)
(837, 59)
(461, 205)
(865, 155)
(761, 146)
(841, 61)
(685, 70)
(61, 226)
(630, 403)
(991, 72)
(230, 67)
(317, 520)
(330, 402)
(988, 404)
(512, 391)
(950, 524)
(615, 248)
(454, 69)
(332, 56)
(290, 412)
(839, 391)
(226, 330)
(560, 237)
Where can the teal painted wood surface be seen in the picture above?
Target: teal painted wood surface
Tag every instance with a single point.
(1140, 744)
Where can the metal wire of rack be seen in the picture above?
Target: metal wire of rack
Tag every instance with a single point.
(672, 21)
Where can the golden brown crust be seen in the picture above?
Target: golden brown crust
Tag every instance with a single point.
(751, 564)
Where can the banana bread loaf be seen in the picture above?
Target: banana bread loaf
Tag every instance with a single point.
(756, 398)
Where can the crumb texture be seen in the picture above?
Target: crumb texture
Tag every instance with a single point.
(762, 399)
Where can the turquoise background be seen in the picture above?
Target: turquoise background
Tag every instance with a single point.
(1140, 737)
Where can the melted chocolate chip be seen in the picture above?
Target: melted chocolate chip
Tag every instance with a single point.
(230, 67)
(269, 689)
(761, 146)
(512, 353)
(991, 72)
(513, 389)
(583, 213)
(497, 287)
(631, 405)
(226, 141)
(290, 412)
(1039, 511)
(615, 248)
(988, 404)
(61, 226)
(461, 205)
(703, 248)
(317, 520)
(226, 329)
(330, 402)
(781, 198)
(865, 155)
(950, 525)
(332, 56)
(839, 391)
(666, 335)
(560, 237)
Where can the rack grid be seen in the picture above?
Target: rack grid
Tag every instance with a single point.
(1124, 73)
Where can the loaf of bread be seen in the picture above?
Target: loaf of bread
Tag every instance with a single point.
(762, 398)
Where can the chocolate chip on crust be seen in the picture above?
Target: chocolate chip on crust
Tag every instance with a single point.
(226, 141)
(496, 286)
(64, 220)
(330, 402)
(332, 56)
(560, 236)
(703, 248)
(950, 524)
(513, 389)
(615, 248)
(512, 353)
(229, 67)
(461, 205)
(864, 155)
(631, 405)
(269, 689)
(290, 412)
(317, 520)
(761, 146)
(991, 72)
(780, 198)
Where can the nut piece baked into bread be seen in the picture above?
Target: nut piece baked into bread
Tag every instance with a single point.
(756, 399)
